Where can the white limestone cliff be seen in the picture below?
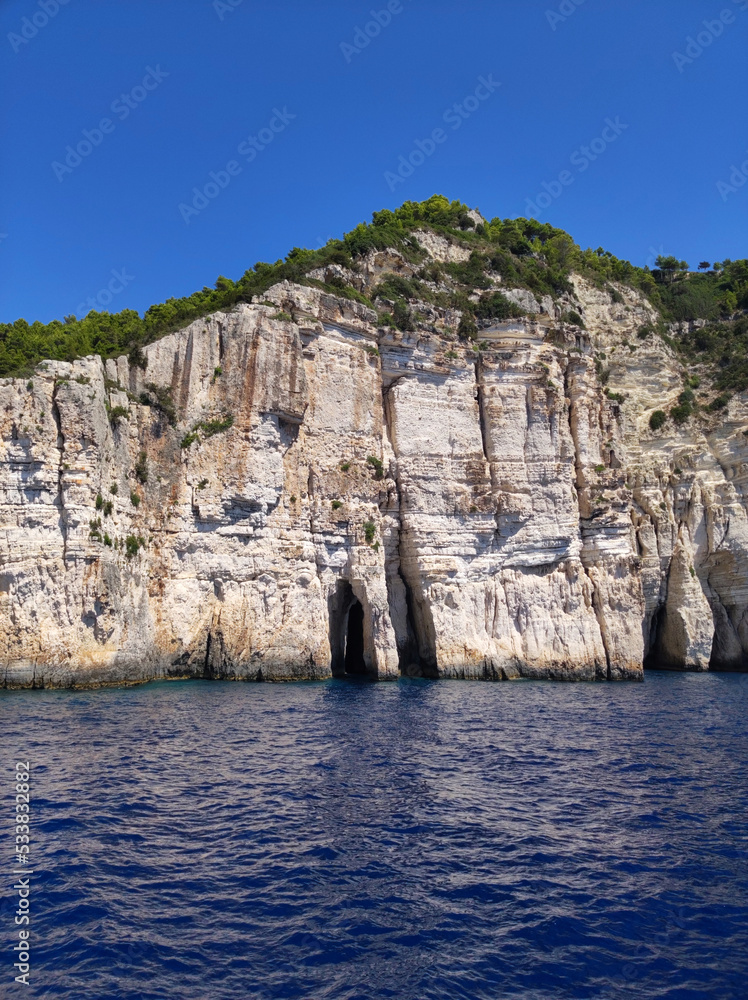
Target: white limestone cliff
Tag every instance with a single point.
(488, 514)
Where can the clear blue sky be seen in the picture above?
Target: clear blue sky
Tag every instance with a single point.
(231, 69)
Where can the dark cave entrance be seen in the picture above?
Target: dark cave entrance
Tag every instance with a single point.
(347, 633)
(354, 643)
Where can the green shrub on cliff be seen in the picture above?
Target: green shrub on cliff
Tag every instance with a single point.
(207, 429)
(497, 306)
(685, 408)
(467, 330)
(657, 419)
(133, 544)
(141, 468)
(572, 317)
(377, 465)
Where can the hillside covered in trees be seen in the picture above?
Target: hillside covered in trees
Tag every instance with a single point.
(524, 252)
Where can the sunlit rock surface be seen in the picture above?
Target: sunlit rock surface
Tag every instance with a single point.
(379, 502)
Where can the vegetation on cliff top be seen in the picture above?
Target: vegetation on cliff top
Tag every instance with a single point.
(524, 252)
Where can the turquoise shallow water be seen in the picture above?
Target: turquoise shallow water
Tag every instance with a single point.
(408, 840)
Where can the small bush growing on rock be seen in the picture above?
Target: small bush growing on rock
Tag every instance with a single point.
(719, 403)
(189, 439)
(599, 469)
(141, 468)
(450, 354)
(345, 466)
(107, 541)
(161, 401)
(373, 351)
(99, 501)
(336, 504)
(430, 272)
(370, 531)
(377, 466)
(497, 306)
(137, 358)
(602, 373)
(402, 316)
(217, 426)
(30, 386)
(657, 419)
(467, 330)
(645, 331)
(284, 316)
(108, 508)
(114, 489)
(133, 544)
(116, 412)
(202, 484)
(615, 397)
(685, 407)
(394, 286)
(135, 499)
(208, 429)
(570, 316)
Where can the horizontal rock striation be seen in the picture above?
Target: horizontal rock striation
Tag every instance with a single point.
(287, 498)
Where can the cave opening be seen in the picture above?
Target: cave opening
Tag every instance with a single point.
(354, 642)
(347, 633)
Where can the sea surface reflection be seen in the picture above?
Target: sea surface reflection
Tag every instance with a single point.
(409, 840)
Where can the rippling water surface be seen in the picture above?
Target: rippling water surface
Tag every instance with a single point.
(407, 840)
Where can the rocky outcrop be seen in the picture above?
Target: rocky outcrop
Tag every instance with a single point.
(275, 498)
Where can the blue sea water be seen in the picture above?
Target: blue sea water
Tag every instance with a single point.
(409, 840)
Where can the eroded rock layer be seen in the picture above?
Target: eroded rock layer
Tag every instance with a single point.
(279, 498)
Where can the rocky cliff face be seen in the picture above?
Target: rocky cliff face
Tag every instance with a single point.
(277, 498)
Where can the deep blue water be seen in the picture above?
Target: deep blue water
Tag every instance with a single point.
(409, 840)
